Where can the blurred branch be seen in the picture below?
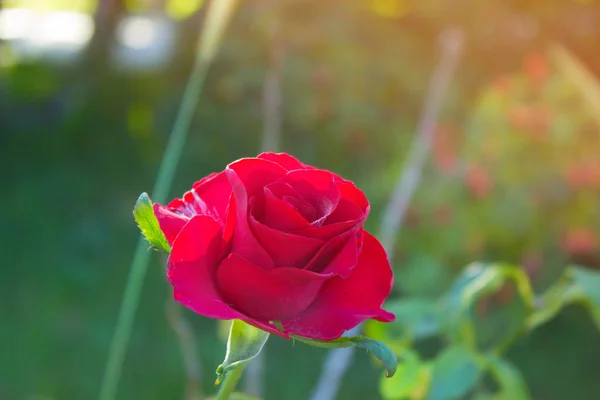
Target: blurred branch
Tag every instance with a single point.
(451, 40)
(272, 119)
(584, 80)
(217, 18)
(272, 92)
(187, 344)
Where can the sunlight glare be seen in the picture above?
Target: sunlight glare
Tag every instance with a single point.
(137, 32)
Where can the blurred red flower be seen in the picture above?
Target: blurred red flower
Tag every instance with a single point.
(583, 175)
(579, 241)
(537, 69)
(479, 182)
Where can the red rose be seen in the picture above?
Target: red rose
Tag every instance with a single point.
(273, 240)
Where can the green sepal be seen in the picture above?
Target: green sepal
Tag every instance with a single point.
(245, 342)
(148, 224)
(378, 349)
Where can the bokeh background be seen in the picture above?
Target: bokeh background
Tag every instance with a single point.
(88, 94)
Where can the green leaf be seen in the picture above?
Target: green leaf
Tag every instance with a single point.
(378, 349)
(483, 395)
(481, 309)
(557, 296)
(455, 321)
(589, 282)
(454, 373)
(415, 318)
(410, 381)
(578, 285)
(146, 220)
(244, 343)
(391, 335)
(509, 378)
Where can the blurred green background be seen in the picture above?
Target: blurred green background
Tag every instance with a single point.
(88, 94)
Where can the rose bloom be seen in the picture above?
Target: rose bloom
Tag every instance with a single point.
(272, 240)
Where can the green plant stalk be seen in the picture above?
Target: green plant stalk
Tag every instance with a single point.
(229, 384)
(218, 15)
(139, 265)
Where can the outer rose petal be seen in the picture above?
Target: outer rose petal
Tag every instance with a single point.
(344, 303)
(348, 190)
(287, 161)
(230, 219)
(273, 295)
(170, 222)
(208, 196)
(254, 174)
(192, 265)
(191, 271)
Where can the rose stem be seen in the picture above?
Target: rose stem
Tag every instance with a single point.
(228, 385)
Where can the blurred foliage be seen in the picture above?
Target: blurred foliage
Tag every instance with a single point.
(513, 177)
(486, 310)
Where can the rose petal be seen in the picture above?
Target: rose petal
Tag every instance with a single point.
(170, 222)
(281, 215)
(346, 216)
(273, 295)
(288, 194)
(208, 196)
(345, 211)
(192, 264)
(244, 241)
(230, 219)
(318, 188)
(287, 161)
(285, 249)
(344, 303)
(338, 256)
(254, 174)
(191, 271)
(348, 190)
(303, 207)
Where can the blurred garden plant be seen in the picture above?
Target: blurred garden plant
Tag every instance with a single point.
(520, 143)
(278, 247)
(529, 150)
(488, 308)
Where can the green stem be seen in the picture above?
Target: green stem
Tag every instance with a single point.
(228, 385)
(139, 264)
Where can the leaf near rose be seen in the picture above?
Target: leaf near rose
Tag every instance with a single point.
(148, 224)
